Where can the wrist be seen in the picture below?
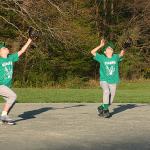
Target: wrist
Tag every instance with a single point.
(29, 39)
(101, 45)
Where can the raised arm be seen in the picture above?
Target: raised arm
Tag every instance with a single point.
(102, 43)
(24, 48)
(122, 53)
(126, 45)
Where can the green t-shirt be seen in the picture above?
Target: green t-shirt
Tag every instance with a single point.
(109, 68)
(6, 69)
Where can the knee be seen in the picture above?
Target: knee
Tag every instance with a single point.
(12, 98)
(106, 92)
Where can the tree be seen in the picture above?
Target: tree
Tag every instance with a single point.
(69, 29)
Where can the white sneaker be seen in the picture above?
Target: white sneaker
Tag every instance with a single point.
(7, 120)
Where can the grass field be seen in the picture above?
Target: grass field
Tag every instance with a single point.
(127, 92)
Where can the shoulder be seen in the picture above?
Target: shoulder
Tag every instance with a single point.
(12, 55)
(116, 55)
(9, 55)
(101, 56)
(98, 57)
(118, 58)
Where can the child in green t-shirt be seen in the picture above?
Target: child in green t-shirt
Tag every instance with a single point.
(6, 71)
(109, 74)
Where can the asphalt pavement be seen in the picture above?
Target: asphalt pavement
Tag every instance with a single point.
(76, 126)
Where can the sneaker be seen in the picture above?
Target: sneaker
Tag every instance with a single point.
(106, 114)
(100, 111)
(7, 120)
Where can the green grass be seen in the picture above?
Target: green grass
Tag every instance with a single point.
(127, 92)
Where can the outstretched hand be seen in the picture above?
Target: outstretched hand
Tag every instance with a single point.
(33, 33)
(102, 42)
(127, 44)
(24, 48)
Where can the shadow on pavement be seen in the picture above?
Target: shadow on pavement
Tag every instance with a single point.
(32, 114)
(123, 107)
(80, 105)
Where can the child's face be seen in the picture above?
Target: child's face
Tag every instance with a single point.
(4, 50)
(109, 51)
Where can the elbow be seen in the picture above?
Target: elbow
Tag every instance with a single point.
(122, 53)
(93, 53)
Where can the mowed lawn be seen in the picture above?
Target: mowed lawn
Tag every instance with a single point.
(127, 92)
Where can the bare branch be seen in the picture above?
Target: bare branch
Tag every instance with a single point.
(56, 7)
(13, 26)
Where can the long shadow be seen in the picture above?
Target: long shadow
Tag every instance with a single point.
(32, 114)
(122, 108)
(79, 105)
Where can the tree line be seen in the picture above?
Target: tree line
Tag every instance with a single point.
(69, 29)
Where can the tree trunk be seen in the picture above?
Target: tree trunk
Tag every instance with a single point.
(97, 18)
(112, 7)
